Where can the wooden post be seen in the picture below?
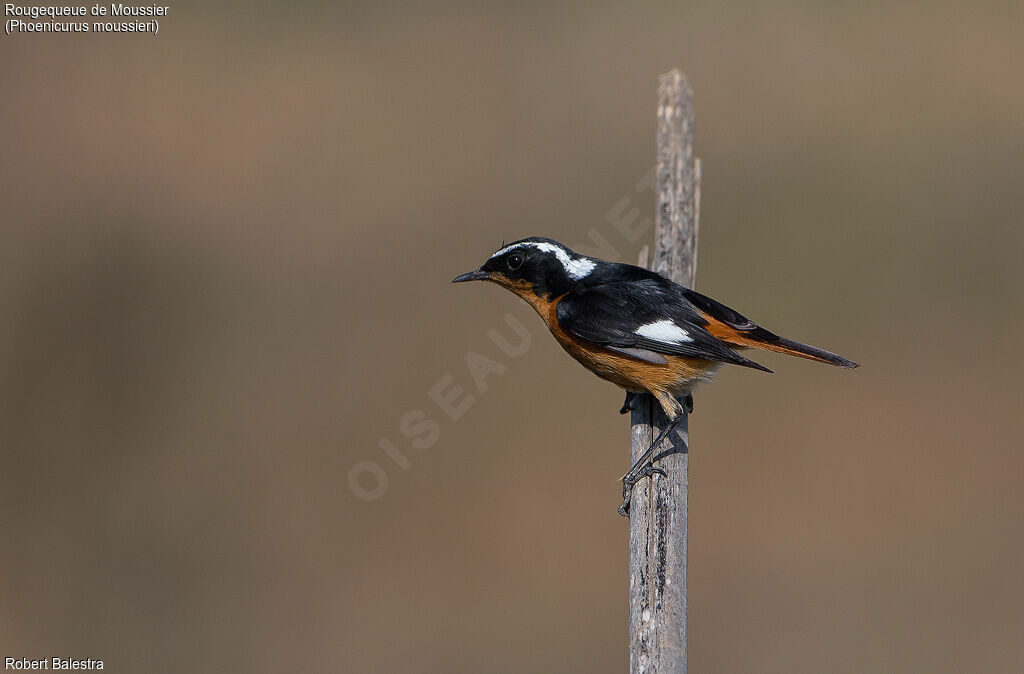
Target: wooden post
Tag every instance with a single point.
(658, 512)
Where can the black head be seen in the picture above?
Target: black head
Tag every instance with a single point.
(537, 265)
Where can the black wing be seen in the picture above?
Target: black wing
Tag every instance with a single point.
(648, 315)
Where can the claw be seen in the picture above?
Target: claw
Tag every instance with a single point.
(629, 481)
(644, 466)
(653, 470)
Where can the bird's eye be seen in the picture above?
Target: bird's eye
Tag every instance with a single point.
(515, 261)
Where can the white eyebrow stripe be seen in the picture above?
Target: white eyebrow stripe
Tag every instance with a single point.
(664, 331)
(576, 268)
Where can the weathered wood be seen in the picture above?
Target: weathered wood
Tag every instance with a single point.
(658, 511)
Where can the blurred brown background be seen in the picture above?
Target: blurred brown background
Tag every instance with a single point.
(224, 276)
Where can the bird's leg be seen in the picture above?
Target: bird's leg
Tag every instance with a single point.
(688, 403)
(627, 406)
(643, 467)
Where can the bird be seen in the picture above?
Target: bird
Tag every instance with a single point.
(635, 328)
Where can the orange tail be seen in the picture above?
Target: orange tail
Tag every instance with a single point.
(733, 328)
(783, 345)
(752, 336)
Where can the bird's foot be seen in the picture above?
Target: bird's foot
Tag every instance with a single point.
(688, 403)
(629, 480)
(627, 406)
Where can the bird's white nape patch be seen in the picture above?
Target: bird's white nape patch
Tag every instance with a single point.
(579, 267)
(576, 268)
(664, 331)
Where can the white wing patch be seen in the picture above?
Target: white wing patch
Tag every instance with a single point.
(664, 331)
(576, 268)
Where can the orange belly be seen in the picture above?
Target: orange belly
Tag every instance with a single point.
(675, 377)
(664, 382)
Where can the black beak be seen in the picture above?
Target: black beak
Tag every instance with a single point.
(477, 275)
